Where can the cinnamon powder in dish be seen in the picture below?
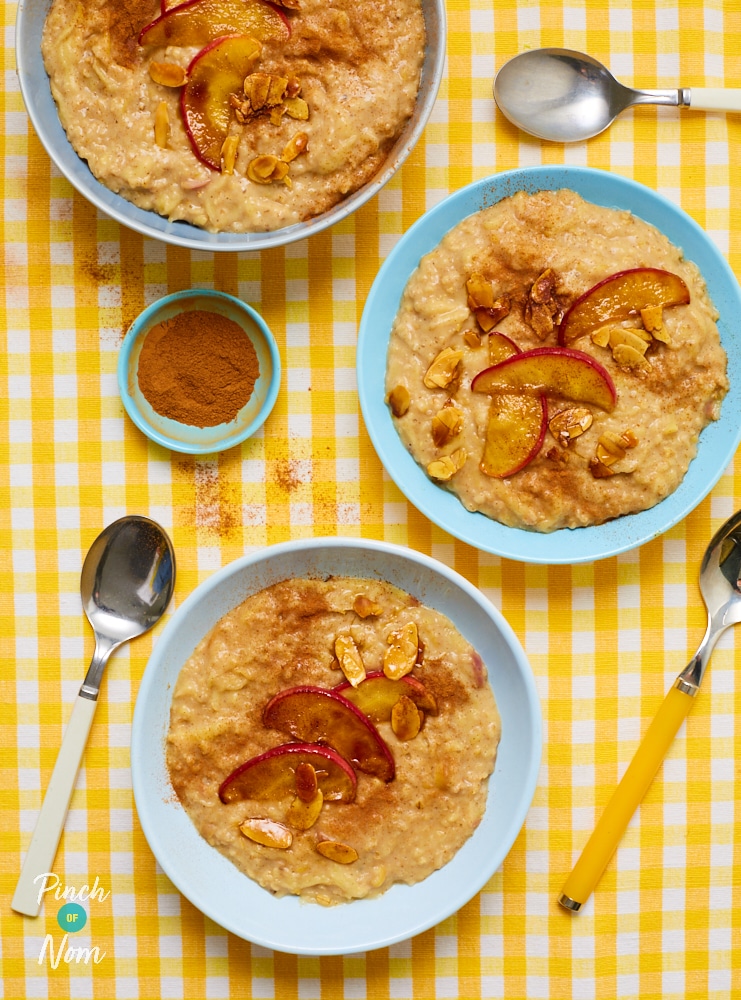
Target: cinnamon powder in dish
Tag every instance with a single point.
(198, 368)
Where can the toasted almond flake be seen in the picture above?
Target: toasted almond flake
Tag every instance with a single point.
(306, 781)
(293, 87)
(256, 88)
(296, 108)
(628, 357)
(295, 146)
(446, 467)
(303, 815)
(447, 423)
(265, 169)
(601, 337)
(167, 74)
(443, 369)
(599, 470)
(276, 89)
(349, 659)
(229, 154)
(276, 115)
(343, 854)
(401, 654)
(557, 455)
(653, 317)
(406, 719)
(488, 318)
(480, 291)
(399, 400)
(570, 423)
(364, 607)
(629, 438)
(267, 832)
(472, 338)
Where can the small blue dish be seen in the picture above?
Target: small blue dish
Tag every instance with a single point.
(183, 437)
(718, 442)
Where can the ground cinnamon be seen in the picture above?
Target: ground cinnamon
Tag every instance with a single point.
(198, 368)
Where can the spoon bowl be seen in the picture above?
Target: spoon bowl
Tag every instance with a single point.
(567, 96)
(126, 584)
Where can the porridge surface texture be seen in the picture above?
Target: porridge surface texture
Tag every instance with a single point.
(358, 62)
(665, 404)
(283, 637)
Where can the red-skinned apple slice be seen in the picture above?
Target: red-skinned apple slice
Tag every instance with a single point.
(501, 347)
(514, 433)
(551, 371)
(319, 715)
(214, 73)
(619, 297)
(198, 22)
(378, 694)
(272, 775)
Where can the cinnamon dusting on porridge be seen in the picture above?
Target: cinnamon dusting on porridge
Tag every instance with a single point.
(332, 738)
(553, 363)
(234, 115)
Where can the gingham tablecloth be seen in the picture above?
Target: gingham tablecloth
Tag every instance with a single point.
(605, 640)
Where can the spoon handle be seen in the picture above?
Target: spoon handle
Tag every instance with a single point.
(715, 99)
(47, 834)
(625, 799)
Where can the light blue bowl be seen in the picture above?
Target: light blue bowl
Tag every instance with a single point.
(237, 903)
(718, 442)
(182, 437)
(42, 111)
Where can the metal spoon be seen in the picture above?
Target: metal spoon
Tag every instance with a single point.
(567, 96)
(720, 586)
(126, 584)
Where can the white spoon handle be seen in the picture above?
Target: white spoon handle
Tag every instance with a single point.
(49, 825)
(715, 99)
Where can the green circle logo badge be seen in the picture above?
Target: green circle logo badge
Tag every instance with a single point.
(72, 917)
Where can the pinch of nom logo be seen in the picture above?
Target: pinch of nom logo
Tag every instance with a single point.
(71, 918)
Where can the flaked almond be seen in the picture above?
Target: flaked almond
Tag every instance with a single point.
(256, 87)
(599, 470)
(167, 74)
(276, 116)
(161, 125)
(229, 154)
(401, 654)
(652, 317)
(570, 423)
(628, 357)
(629, 438)
(446, 467)
(601, 337)
(488, 317)
(276, 90)
(267, 832)
(293, 87)
(303, 815)
(542, 289)
(350, 660)
(399, 400)
(295, 146)
(306, 781)
(406, 719)
(620, 335)
(446, 424)
(480, 292)
(472, 338)
(443, 369)
(296, 108)
(557, 455)
(343, 854)
(266, 168)
(364, 607)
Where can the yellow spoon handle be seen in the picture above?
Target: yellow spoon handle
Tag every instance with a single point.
(625, 799)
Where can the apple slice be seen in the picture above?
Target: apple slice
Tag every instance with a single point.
(550, 371)
(514, 433)
(619, 297)
(319, 715)
(272, 775)
(378, 694)
(501, 347)
(214, 73)
(198, 22)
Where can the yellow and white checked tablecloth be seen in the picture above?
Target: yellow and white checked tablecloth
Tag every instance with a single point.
(605, 639)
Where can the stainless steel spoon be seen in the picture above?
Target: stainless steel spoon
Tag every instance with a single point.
(126, 584)
(567, 96)
(720, 586)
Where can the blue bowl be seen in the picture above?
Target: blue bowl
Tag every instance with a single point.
(183, 437)
(210, 881)
(42, 111)
(718, 442)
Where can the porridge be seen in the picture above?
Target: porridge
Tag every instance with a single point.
(553, 363)
(332, 738)
(234, 115)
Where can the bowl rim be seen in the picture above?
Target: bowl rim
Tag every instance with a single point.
(35, 88)
(140, 326)
(348, 928)
(566, 546)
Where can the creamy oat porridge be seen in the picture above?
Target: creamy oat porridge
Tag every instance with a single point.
(553, 363)
(234, 115)
(332, 738)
